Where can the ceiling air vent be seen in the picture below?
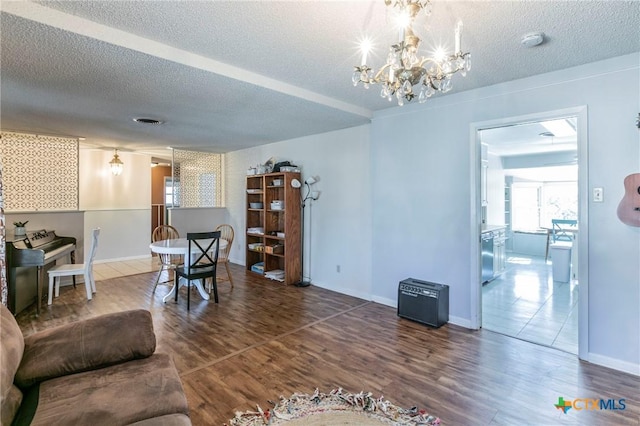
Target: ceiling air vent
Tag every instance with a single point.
(148, 121)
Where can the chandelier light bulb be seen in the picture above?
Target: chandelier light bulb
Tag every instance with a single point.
(439, 55)
(365, 47)
(403, 20)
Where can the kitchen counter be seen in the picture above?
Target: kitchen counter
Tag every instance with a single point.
(489, 228)
(494, 254)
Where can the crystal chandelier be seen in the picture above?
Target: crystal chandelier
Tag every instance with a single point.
(405, 69)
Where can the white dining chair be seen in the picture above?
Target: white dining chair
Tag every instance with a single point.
(68, 270)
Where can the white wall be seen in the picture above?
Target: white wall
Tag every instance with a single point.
(119, 205)
(413, 174)
(65, 224)
(124, 234)
(338, 230)
(100, 190)
(421, 173)
(197, 219)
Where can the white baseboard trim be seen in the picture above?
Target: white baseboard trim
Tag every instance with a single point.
(237, 261)
(347, 292)
(121, 259)
(616, 364)
(385, 301)
(462, 322)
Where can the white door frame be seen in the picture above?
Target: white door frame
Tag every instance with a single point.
(583, 214)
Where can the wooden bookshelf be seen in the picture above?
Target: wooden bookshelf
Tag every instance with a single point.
(274, 225)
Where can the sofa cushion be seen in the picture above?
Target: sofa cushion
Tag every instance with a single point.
(85, 345)
(10, 405)
(117, 395)
(11, 351)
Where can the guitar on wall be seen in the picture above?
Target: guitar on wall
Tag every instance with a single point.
(629, 207)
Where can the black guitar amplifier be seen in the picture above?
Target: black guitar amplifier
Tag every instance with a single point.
(424, 302)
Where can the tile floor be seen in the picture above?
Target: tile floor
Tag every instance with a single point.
(524, 302)
(104, 271)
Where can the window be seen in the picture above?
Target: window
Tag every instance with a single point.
(534, 204)
(170, 186)
(525, 207)
(559, 201)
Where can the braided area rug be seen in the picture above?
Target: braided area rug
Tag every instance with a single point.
(337, 407)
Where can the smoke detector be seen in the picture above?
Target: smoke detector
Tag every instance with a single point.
(532, 39)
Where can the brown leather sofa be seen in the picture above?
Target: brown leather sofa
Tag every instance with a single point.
(100, 371)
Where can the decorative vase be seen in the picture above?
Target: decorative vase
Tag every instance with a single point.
(20, 230)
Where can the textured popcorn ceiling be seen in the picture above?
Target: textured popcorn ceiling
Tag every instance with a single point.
(227, 75)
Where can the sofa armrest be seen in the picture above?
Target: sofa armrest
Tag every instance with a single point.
(86, 345)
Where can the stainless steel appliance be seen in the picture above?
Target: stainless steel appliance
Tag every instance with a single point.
(487, 256)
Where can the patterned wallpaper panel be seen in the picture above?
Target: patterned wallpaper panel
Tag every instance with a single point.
(40, 172)
(200, 178)
(3, 257)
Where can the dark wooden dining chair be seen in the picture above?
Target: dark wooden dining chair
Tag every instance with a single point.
(200, 263)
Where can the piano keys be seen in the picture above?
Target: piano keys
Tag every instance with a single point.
(31, 254)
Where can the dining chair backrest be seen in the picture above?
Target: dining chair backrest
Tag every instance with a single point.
(563, 229)
(88, 264)
(164, 232)
(203, 250)
(226, 234)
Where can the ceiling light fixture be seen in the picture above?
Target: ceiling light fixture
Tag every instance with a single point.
(404, 68)
(560, 128)
(116, 164)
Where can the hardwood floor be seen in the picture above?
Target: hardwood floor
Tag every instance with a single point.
(264, 340)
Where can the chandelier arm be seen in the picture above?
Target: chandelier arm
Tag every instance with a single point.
(436, 63)
(377, 77)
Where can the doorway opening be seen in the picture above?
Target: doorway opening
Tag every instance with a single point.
(529, 191)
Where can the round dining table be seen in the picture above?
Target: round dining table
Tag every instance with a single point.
(180, 246)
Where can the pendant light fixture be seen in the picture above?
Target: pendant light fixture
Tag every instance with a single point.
(116, 164)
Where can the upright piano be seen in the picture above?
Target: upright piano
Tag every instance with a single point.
(31, 253)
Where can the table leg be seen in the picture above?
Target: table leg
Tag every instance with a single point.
(170, 294)
(203, 292)
(72, 258)
(546, 252)
(197, 283)
(38, 290)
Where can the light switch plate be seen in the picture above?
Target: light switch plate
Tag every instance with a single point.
(598, 195)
